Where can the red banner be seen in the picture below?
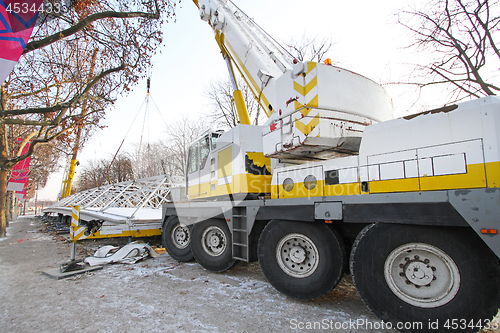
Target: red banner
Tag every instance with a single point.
(19, 175)
(17, 19)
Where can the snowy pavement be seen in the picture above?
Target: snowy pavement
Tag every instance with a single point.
(155, 295)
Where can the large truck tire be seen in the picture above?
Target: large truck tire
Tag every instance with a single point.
(176, 239)
(426, 279)
(302, 260)
(212, 245)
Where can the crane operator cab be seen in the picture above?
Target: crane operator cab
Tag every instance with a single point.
(228, 165)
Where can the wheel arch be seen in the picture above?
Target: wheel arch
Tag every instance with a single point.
(166, 213)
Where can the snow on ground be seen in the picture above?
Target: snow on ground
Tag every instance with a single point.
(154, 295)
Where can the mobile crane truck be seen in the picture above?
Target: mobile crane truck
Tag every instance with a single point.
(332, 182)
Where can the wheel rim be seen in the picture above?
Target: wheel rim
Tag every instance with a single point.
(422, 275)
(214, 241)
(181, 236)
(297, 255)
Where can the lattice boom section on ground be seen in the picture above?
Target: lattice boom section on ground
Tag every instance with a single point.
(131, 208)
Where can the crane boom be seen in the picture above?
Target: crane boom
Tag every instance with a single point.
(254, 54)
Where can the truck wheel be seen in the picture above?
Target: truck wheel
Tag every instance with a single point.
(212, 245)
(176, 238)
(302, 260)
(439, 278)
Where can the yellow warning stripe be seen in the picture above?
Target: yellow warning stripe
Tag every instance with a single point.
(241, 183)
(299, 191)
(79, 233)
(75, 215)
(306, 108)
(310, 66)
(304, 90)
(313, 103)
(307, 128)
(493, 174)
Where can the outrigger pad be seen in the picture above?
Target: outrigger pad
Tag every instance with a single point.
(71, 266)
(56, 273)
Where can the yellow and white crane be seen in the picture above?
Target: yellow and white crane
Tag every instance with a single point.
(332, 181)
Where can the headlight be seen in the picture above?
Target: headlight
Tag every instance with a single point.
(288, 184)
(310, 182)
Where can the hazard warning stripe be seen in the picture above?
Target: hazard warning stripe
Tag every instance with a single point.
(306, 85)
(77, 233)
(75, 216)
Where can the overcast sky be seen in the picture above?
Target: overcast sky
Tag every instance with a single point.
(367, 40)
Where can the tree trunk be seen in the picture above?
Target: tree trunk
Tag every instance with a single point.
(4, 171)
(8, 212)
(3, 191)
(4, 177)
(11, 203)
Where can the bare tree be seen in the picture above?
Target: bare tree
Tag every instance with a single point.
(57, 78)
(180, 134)
(460, 37)
(159, 158)
(309, 48)
(92, 174)
(151, 160)
(121, 170)
(223, 110)
(103, 172)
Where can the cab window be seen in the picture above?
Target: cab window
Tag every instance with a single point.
(204, 151)
(214, 138)
(193, 158)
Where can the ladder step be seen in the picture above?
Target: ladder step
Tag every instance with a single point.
(240, 250)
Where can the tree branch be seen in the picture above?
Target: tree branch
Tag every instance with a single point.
(461, 36)
(86, 22)
(61, 106)
(10, 163)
